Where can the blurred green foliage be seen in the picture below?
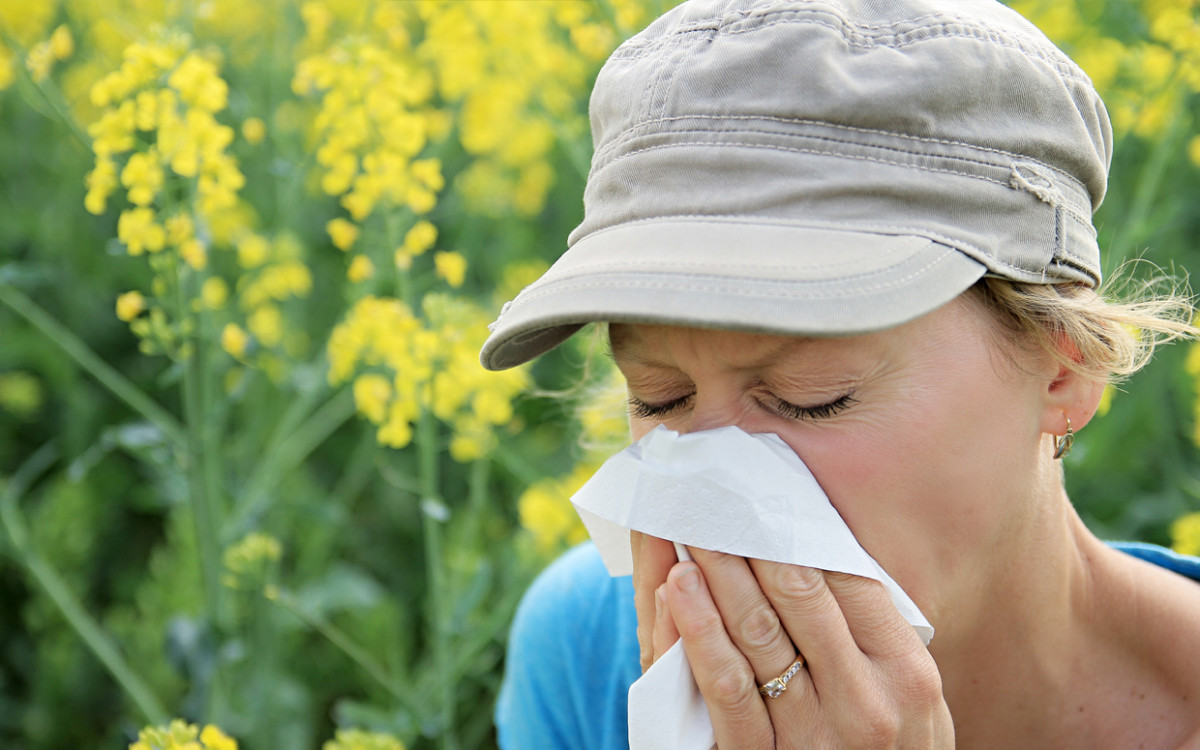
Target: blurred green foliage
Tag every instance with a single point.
(212, 530)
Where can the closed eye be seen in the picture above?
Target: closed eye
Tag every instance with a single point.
(812, 413)
(641, 410)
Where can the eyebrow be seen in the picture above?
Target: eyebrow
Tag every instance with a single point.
(635, 358)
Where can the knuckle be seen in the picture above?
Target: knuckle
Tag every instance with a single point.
(759, 628)
(923, 683)
(797, 582)
(732, 690)
(878, 726)
(700, 625)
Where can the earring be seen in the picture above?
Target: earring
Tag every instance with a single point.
(1062, 445)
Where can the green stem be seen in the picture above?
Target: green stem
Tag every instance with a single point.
(477, 500)
(92, 364)
(357, 654)
(287, 455)
(52, 584)
(432, 516)
(200, 496)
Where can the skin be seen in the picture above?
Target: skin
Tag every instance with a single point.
(935, 444)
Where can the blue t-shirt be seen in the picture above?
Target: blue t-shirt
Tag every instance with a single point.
(573, 654)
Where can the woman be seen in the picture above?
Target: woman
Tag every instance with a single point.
(864, 226)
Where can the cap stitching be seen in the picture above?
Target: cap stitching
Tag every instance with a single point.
(977, 255)
(717, 266)
(574, 285)
(858, 34)
(837, 154)
(948, 30)
(865, 131)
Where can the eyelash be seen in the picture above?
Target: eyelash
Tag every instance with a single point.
(641, 410)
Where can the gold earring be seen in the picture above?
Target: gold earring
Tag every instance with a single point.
(1062, 445)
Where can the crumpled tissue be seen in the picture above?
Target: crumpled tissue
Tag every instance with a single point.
(724, 490)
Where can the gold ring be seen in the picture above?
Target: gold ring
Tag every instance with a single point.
(775, 687)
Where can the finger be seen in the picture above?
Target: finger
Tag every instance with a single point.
(887, 639)
(739, 717)
(878, 628)
(813, 620)
(665, 633)
(652, 560)
(749, 618)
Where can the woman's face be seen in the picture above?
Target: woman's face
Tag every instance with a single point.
(924, 436)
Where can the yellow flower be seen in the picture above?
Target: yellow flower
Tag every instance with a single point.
(143, 176)
(62, 45)
(1185, 534)
(1193, 150)
(180, 229)
(198, 83)
(342, 232)
(545, 510)
(179, 735)
(360, 269)
(214, 292)
(357, 739)
(39, 60)
(252, 251)
(420, 237)
(6, 68)
(396, 432)
(1106, 397)
(266, 323)
(428, 172)
(215, 739)
(451, 266)
(254, 130)
(194, 254)
(130, 305)
(234, 340)
(137, 229)
(101, 181)
(246, 563)
(372, 393)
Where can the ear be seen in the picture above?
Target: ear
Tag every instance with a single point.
(1070, 395)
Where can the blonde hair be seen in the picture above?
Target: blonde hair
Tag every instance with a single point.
(1107, 335)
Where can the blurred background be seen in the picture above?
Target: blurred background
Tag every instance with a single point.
(252, 478)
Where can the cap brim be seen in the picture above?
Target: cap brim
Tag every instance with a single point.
(742, 275)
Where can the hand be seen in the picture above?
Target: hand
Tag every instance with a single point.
(868, 681)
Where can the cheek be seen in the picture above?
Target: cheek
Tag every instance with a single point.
(927, 485)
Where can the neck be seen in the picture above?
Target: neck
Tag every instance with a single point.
(1011, 661)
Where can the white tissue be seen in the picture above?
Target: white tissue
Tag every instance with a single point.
(722, 490)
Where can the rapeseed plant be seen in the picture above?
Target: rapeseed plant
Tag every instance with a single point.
(307, 201)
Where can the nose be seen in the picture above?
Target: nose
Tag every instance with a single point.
(711, 410)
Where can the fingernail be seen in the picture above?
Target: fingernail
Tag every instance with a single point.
(660, 602)
(688, 580)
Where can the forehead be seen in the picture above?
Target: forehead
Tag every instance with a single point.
(652, 344)
(955, 327)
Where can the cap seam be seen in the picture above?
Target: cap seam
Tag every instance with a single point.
(852, 33)
(883, 147)
(758, 266)
(560, 287)
(975, 254)
(945, 30)
(849, 128)
(836, 154)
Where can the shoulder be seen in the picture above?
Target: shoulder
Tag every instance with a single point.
(1184, 565)
(1158, 611)
(572, 655)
